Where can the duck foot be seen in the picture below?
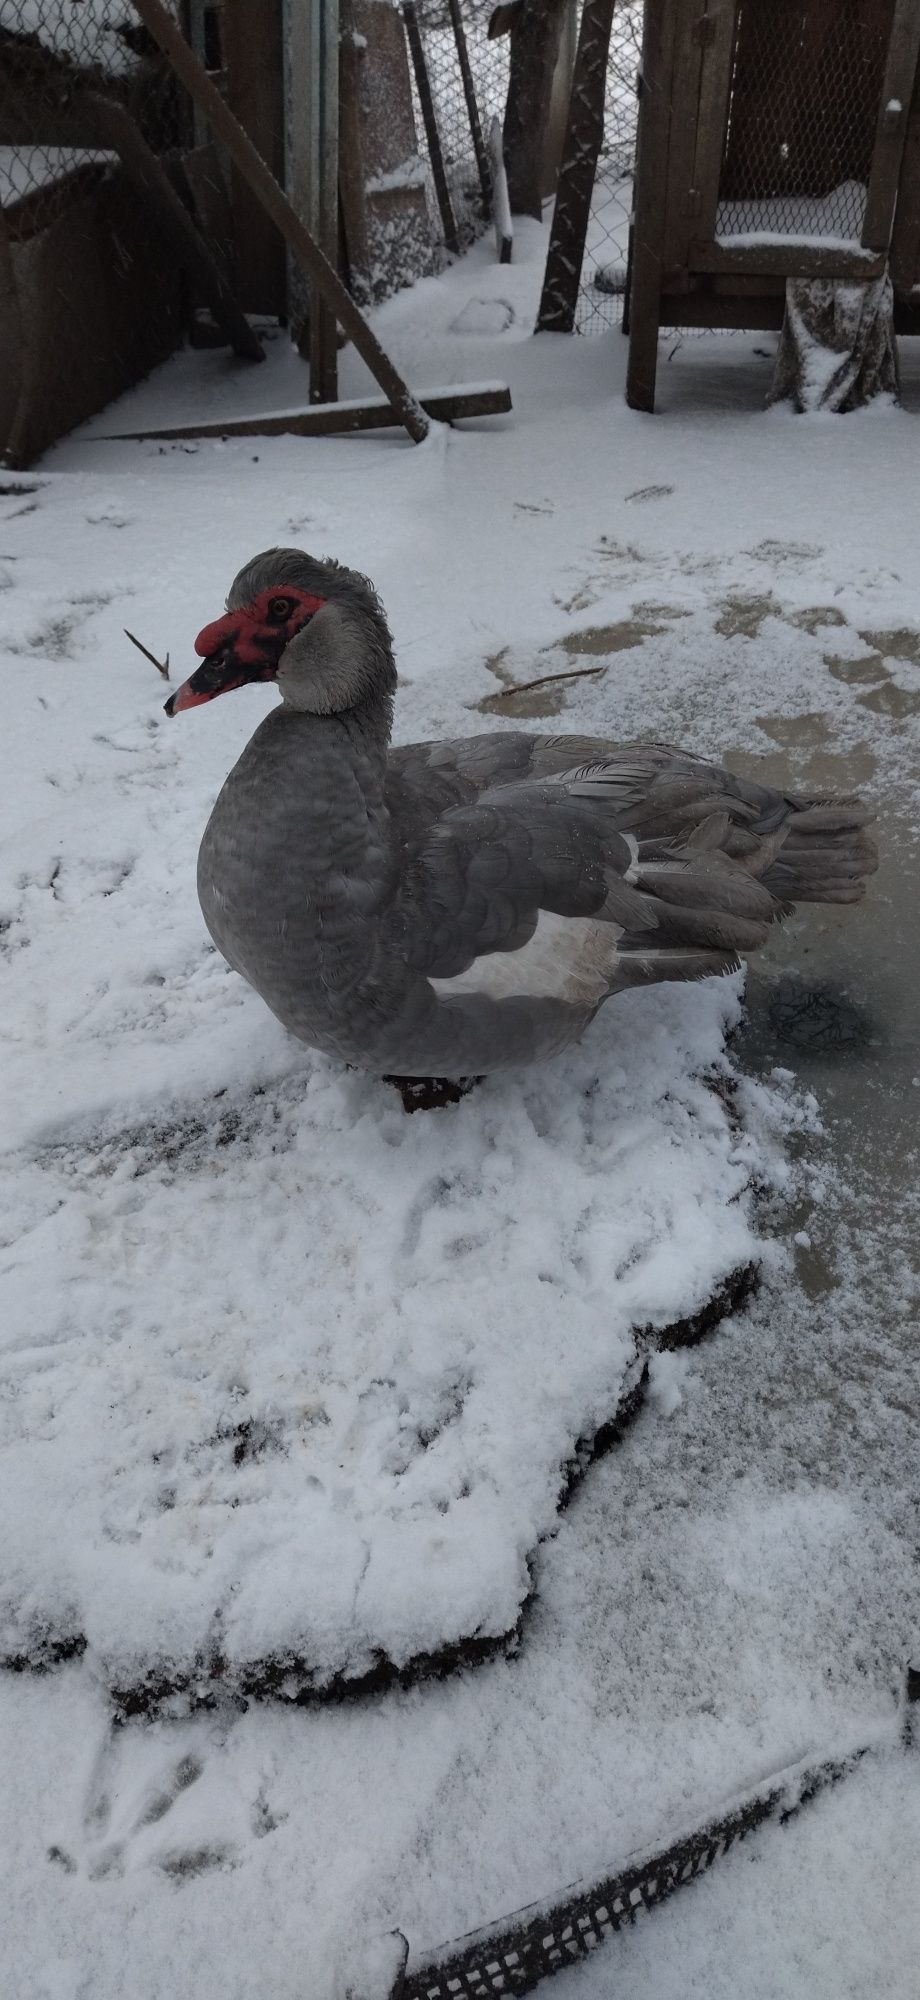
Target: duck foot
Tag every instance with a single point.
(431, 1093)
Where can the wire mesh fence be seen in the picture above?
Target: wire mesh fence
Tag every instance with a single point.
(54, 54)
(91, 295)
(455, 128)
(602, 291)
(805, 90)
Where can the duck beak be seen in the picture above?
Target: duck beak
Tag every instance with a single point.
(233, 650)
(216, 675)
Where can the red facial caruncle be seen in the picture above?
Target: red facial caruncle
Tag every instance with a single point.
(245, 645)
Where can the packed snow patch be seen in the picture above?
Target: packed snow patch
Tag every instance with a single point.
(311, 1372)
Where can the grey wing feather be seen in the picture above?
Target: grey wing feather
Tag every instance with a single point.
(642, 836)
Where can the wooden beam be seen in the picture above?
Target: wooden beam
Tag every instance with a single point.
(313, 171)
(905, 242)
(584, 136)
(303, 246)
(786, 257)
(651, 184)
(479, 399)
(891, 131)
(352, 170)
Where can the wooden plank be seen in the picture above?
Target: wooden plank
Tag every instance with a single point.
(905, 241)
(682, 202)
(298, 238)
(254, 59)
(787, 257)
(486, 399)
(891, 131)
(721, 18)
(429, 120)
(724, 309)
(651, 184)
(352, 170)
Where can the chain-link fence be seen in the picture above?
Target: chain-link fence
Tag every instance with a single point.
(805, 91)
(91, 294)
(602, 292)
(448, 33)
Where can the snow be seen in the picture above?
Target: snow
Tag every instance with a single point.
(198, 1208)
(829, 221)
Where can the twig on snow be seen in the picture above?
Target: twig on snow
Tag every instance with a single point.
(161, 666)
(572, 674)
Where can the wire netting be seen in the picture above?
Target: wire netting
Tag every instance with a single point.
(805, 91)
(602, 292)
(488, 62)
(51, 53)
(91, 293)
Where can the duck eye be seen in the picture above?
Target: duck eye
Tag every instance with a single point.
(280, 609)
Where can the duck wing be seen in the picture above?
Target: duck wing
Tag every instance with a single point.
(659, 865)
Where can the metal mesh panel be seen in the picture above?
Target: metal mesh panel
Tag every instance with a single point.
(48, 50)
(91, 287)
(805, 92)
(489, 69)
(602, 290)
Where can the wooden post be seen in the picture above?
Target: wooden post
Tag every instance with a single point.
(891, 132)
(472, 108)
(433, 136)
(298, 238)
(905, 242)
(352, 171)
(313, 176)
(651, 187)
(581, 149)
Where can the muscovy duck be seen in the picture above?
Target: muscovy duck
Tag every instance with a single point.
(443, 910)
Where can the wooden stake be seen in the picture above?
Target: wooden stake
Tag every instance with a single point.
(302, 245)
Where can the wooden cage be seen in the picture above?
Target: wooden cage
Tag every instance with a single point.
(777, 139)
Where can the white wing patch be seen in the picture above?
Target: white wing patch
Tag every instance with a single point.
(568, 958)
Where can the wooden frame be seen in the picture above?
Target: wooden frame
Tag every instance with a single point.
(683, 271)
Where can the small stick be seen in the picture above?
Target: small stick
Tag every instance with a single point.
(523, 687)
(160, 667)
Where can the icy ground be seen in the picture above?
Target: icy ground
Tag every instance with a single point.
(193, 1201)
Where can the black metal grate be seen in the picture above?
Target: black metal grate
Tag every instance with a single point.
(806, 86)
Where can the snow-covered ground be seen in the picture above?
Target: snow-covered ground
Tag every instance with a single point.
(285, 1369)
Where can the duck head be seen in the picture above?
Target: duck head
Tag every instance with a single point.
(316, 628)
